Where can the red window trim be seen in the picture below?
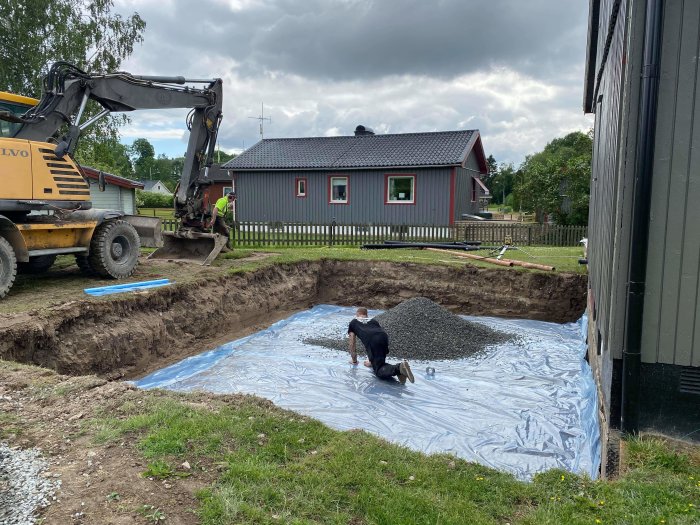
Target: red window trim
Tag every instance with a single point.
(330, 190)
(386, 189)
(296, 187)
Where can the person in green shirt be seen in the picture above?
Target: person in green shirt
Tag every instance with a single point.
(217, 216)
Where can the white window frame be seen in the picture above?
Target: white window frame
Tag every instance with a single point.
(299, 193)
(227, 190)
(387, 189)
(331, 178)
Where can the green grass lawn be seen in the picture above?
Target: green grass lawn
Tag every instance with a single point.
(563, 259)
(278, 467)
(163, 213)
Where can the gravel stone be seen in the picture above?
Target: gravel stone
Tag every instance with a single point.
(420, 329)
(25, 486)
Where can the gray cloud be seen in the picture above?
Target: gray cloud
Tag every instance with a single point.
(359, 39)
(512, 68)
(344, 40)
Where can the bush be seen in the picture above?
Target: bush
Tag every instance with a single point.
(149, 199)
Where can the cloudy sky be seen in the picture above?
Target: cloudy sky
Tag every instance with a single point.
(511, 68)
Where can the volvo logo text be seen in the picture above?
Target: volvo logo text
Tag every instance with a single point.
(9, 152)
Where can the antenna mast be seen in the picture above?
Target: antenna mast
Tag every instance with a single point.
(262, 118)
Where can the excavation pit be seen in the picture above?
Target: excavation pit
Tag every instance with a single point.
(523, 405)
(128, 336)
(134, 335)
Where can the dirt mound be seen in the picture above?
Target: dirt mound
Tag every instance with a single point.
(421, 329)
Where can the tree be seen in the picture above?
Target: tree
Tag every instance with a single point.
(108, 155)
(143, 157)
(36, 33)
(492, 171)
(502, 183)
(221, 157)
(556, 180)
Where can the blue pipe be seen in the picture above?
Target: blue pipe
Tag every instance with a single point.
(126, 287)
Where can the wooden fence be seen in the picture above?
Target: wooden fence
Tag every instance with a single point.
(523, 234)
(303, 234)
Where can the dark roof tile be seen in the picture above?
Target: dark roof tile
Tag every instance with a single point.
(443, 148)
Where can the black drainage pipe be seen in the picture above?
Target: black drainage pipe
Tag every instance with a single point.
(641, 204)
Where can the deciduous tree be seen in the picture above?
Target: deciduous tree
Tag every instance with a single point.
(556, 180)
(89, 34)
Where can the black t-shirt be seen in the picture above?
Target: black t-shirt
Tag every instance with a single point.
(373, 337)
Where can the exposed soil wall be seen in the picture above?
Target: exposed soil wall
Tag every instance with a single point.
(136, 334)
(468, 290)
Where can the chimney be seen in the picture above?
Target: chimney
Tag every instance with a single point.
(363, 130)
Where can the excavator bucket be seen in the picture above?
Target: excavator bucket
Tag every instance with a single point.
(148, 228)
(190, 246)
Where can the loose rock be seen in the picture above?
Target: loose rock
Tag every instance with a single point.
(25, 487)
(420, 329)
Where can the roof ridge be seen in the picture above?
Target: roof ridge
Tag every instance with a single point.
(370, 136)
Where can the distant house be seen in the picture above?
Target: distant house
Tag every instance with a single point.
(221, 182)
(155, 186)
(119, 194)
(410, 178)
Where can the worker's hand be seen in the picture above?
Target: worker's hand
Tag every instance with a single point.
(367, 364)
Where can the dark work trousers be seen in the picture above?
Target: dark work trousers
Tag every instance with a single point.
(386, 371)
(378, 348)
(220, 227)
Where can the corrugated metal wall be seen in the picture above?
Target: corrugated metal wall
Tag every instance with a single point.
(604, 182)
(671, 328)
(110, 199)
(113, 198)
(672, 310)
(128, 200)
(270, 196)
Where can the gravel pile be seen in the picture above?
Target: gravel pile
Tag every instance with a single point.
(423, 330)
(24, 485)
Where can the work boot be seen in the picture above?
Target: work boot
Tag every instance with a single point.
(405, 371)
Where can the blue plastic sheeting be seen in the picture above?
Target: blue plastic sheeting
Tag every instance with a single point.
(522, 407)
(127, 287)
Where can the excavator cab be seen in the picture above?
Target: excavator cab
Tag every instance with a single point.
(13, 107)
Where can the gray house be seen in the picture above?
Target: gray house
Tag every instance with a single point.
(119, 194)
(411, 178)
(644, 226)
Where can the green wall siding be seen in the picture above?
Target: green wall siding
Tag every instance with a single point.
(672, 311)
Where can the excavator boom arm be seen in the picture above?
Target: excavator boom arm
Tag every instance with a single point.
(67, 90)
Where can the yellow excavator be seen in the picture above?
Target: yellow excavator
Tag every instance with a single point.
(45, 207)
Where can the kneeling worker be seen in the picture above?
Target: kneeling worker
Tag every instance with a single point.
(218, 213)
(376, 341)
